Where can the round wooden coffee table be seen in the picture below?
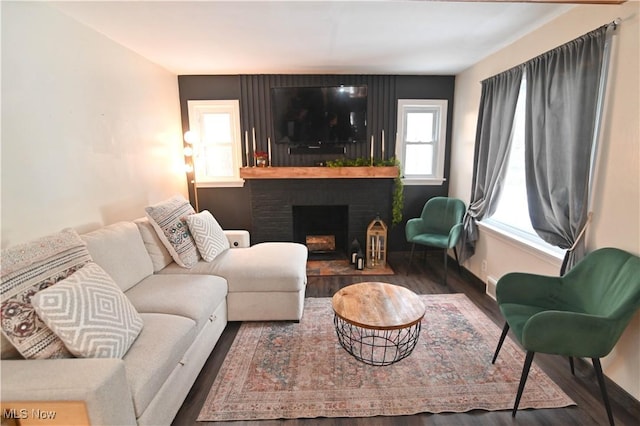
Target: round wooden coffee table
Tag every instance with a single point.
(377, 323)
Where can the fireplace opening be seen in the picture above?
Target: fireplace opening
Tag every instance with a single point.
(323, 229)
(321, 243)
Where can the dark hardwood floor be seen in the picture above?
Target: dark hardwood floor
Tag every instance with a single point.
(424, 277)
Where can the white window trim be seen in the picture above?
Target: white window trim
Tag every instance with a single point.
(531, 244)
(195, 110)
(229, 183)
(421, 181)
(442, 105)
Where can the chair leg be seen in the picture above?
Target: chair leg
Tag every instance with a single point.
(598, 367)
(523, 380)
(413, 246)
(573, 369)
(455, 251)
(445, 267)
(505, 330)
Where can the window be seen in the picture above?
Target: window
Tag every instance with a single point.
(512, 213)
(420, 147)
(217, 153)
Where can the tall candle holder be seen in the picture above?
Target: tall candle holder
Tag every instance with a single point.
(246, 147)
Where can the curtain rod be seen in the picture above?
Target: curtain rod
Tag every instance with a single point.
(613, 25)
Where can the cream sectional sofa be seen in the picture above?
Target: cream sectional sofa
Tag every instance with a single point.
(184, 313)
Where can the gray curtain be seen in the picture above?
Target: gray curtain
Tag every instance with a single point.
(562, 116)
(493, 139)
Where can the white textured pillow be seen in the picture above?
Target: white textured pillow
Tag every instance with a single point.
(160, 256)
(209, 236)
(90, 314)
(168, 220)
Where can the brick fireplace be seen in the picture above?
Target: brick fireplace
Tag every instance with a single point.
(273, 202)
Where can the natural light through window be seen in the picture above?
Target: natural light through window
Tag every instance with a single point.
(217, 153)
(421, 140)
(513, 209)
(419, 143)
(216, 150)
(512, 213)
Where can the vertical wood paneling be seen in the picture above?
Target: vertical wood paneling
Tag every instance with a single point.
(244, 117)
(256, 113)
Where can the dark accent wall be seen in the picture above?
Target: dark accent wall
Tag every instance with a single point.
(232, 206)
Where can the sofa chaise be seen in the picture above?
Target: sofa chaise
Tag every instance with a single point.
(184, 312)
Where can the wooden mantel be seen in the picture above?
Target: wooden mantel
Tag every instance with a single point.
(388, 172)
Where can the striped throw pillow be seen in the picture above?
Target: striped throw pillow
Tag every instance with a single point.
(27, 269)
(168, 219)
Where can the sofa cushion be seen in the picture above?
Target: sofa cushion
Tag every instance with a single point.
(262, 267)
(192, 296)
(27, 269)
(119, 250)
(209, 236)
(167, 219)
(160, 256)
(155, 354)
(90, 314)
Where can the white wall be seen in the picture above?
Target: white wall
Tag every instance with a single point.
(91, 131)
(617, 190)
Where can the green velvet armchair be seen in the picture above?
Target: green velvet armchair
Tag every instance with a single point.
(439, 225)
(581, 314)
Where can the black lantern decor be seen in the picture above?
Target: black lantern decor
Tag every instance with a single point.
(355, 248)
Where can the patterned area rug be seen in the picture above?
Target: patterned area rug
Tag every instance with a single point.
(322, 268)
(279, 370)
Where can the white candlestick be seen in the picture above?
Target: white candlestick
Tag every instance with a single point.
(372, 150)
(254, 146)
(383, 144)
(246, 146)
(269, 148)
(373, 249)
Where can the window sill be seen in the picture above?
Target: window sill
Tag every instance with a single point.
(422, 181)
(236, 183)
(528, 244)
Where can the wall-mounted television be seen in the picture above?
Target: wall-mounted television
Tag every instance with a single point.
(316, 116)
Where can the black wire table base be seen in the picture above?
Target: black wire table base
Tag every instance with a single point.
(375, 346)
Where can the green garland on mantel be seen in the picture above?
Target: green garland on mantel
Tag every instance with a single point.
(398, 192)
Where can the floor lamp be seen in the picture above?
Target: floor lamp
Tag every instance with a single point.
(190, 139)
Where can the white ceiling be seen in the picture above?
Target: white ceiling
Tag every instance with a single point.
(312, 37)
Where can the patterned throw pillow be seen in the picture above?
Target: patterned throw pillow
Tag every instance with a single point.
(27, 269)
(168, 220)
(209, 236)
(90, 314)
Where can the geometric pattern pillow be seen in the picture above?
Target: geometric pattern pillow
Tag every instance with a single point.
(27, 269)
(209, 236)
(90, 314)
(168, 220)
